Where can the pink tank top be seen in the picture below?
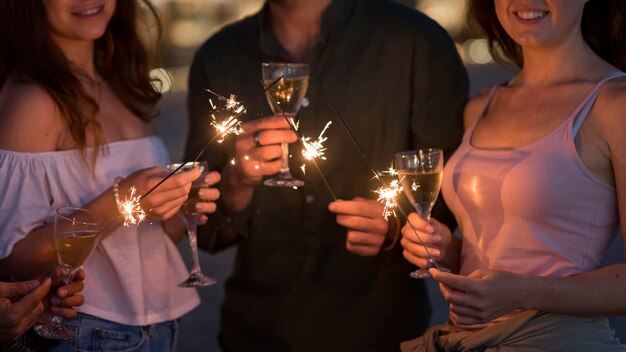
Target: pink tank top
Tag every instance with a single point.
(533, 210)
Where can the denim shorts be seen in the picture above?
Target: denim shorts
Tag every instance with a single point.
(95, 334)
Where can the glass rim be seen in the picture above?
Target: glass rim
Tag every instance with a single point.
(291, 64)
(424, 150)
(189, 163)
(98, 220)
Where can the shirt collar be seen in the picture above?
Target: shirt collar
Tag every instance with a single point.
(334, 17)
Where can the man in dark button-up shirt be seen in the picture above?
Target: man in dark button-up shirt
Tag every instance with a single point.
(306, 278)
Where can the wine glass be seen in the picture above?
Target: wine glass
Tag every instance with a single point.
(420, 173)
(190, 218)
(287, 95)
(76, 234)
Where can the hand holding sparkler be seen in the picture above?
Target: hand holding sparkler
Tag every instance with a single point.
(163, 202)
(366, 226)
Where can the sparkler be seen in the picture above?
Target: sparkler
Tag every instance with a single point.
(230, 125)
(131, 209)
(314, 149)
(386, 188)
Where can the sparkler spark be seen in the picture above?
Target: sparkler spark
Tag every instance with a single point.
(130, 208)
(388, 195)
(315, 149)
(231, 124)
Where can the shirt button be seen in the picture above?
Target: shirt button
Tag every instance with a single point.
(305, 102)
(309, 198)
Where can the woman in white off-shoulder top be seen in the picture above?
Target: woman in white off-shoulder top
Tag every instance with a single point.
(76, 112)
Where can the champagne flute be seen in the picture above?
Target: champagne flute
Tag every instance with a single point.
(190, 218)
(76, 234)
(288, 93)
(420, 173)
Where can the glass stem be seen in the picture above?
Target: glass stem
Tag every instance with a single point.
(284, 168)
(68, 276)
(192, 235)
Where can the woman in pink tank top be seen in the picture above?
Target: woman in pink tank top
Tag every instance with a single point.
(538, 187)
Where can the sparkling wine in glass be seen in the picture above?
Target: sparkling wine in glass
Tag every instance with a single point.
(420, 173)
(76, 234)
(287, 94)
(190, 218)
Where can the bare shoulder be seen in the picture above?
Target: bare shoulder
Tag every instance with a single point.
(475, 106)
(611, 111)
(30, 119)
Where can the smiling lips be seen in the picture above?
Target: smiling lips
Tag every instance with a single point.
(531, 15)
(93, 11)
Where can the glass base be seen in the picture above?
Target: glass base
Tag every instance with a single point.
(197, 280)
(422, 273)
(284, 179)
(54, 332)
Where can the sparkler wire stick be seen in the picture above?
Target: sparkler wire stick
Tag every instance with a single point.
(377, 175)
(299, 135)
(241, 111)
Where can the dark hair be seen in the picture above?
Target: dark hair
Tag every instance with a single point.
(120, 57)
(603, 27)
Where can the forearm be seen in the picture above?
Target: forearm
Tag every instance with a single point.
(596, 293)
(174, 228)
(235, 194)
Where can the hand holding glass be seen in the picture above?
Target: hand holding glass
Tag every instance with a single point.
(76, 234)
(420, 173)
(190, 218)
(285, 95)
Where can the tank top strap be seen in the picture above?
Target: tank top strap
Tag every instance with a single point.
(470, 129)
(582, 111)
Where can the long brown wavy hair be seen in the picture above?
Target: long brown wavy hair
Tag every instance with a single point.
(603, 28)
(28, 53)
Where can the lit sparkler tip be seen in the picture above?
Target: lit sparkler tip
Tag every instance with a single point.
(315, 149)
(131, 208)
(388, 196)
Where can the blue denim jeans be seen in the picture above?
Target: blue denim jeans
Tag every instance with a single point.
(95, 334)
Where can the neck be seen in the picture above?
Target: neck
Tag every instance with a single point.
(297, 24)
(555, 65)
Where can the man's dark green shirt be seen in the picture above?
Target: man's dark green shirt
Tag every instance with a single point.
(396, 79)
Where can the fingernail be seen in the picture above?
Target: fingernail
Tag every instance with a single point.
(430, 229)
(55, 300)
(34, 283)
(54, 309)
(202, 192)
(62, 292)
(435, 252)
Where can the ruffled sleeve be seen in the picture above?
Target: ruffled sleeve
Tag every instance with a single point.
(25, 198)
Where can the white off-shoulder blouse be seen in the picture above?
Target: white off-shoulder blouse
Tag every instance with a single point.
(131, 277)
